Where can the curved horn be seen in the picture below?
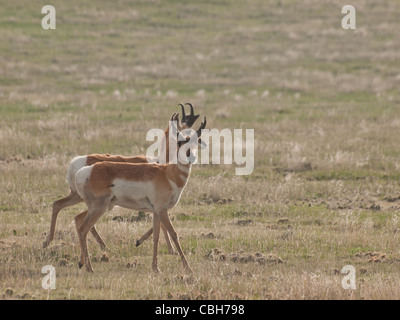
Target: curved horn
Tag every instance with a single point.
(174, 125)
(188, 119)
(183, 112)
(175, 117)
(202, 126)
(191, 108)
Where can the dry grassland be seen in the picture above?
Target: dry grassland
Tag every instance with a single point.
(324, 104)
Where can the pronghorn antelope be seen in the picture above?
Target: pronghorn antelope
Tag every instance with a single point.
(149, 187)
(88, 160)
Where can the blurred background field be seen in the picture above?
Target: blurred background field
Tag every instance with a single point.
(324, 104)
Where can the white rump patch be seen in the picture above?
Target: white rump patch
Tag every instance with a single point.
(81, 177)
(74, 166)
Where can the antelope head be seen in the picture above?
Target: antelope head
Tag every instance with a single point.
(187, 140)
(188, 120)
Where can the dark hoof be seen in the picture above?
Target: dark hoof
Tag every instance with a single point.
(80, 265)
(138, 243)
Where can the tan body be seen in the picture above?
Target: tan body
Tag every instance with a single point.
(152, 188)
(74, 198)
(88, 160)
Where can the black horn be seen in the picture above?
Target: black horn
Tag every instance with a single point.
(202, 126)
(183, 112)
(188, 119)
(175, 124)
(191, 108)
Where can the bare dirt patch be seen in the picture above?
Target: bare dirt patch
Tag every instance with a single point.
(243, 257)
(377, 257)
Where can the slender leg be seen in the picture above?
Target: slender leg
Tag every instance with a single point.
(70, 200)
(99, 240)
(79, 219)
(156, 228)
(167, 223)
(167, 240)
(78, 222)
(144, 237)
(94, 212)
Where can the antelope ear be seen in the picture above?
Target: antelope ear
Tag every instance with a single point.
(202, 144)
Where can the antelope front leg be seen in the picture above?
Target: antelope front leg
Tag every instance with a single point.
(167, 223)
(94, 212)
(156, 229)
(167, 240)
(78, 222)
(79, 219)
(144, 237)
(85, 260)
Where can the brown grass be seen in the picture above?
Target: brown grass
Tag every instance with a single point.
(324, 106)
